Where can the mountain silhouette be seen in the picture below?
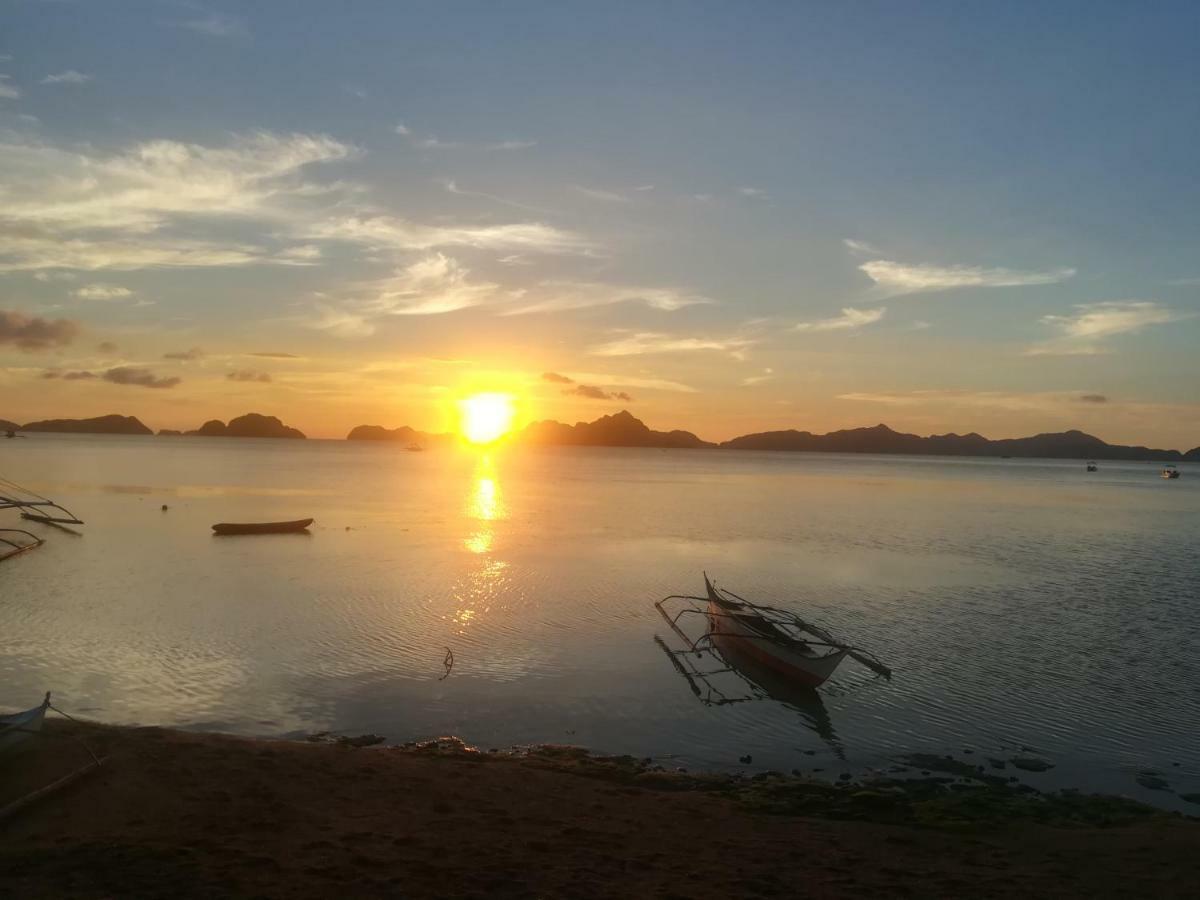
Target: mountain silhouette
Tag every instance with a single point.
(618, 430)
(112, 424)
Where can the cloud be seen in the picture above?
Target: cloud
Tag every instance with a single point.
(383, 232)
(78, 208)
(33, 333)
(54, 276)
(275, 355)
(402, 129)
(131, 375)
(1083, 333)
(106, 347)
(7, 91)
(301, 253)
(559, 296)
(185, 355)
(69, 376)
(647, 342)
(859, 246)
(649, 384)
(432, 285)
(584, 390)
(452, 187)
(248, 375)
(219, 25)
(70, 76)
(1056, 402)
(1092, 398)
(752, 192)
(850, 319)
(601, 195)
(556, 378)
(432, 142)
(750, 381)
(895, 278)
(587, 390)
(102, 292)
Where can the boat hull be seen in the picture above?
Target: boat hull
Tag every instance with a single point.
(297, 526)
(17, 729)
(732, 636)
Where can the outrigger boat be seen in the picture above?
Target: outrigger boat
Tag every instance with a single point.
(262, 527)
(776, 639)
(34, 507)
(17, 728)
(1169, 471)
(1091, 467)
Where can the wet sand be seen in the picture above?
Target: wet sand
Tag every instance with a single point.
(177, 814)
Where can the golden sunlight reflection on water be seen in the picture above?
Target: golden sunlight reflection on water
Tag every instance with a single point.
(485, 505)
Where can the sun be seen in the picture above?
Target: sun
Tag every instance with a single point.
(485, 418)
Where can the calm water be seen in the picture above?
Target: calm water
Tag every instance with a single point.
(1021, 603)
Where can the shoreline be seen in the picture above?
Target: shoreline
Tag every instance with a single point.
(201, 814)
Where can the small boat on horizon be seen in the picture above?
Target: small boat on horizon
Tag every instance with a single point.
(1091, 467)
(1169, 471)
(294, 527)
(776, 639)
(415, 448)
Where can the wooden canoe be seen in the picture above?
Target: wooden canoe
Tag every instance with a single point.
(262, 527)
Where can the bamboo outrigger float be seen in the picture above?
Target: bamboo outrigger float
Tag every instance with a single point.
(800, 652)
(16, 540)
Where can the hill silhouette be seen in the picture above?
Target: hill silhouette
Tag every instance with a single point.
(6, 425)
(618, 430)
(112, 424)
(250, 425)
(403, 434)
(881, 439)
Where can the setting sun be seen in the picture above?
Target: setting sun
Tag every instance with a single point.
(486, 417)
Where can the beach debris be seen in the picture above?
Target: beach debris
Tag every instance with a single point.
(344, 740)
(448, 662)
(1152, 780)
(1031, 763)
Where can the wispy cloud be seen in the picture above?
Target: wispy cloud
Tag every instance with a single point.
(138, 377)
(269, 355)
(649, 342)
(433, 142)
(1092, 398)
(752, 192)
(452, 187)
(219, 25)
(248, 375)
(70, 76)
(764, 376)
(185, 355)
(894, 278)
(432, 285)
(102, 292)
(590, 391)
(598, 194)
(850, 319)
(70, 208)
(384, 232)
(1012, 401)
(559, 296)
(32, 333)
(1084, 332)
(634, 381)
(8, 91)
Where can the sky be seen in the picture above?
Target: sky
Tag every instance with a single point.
(723, 217)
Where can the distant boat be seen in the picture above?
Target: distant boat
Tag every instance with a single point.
(17, 728)
(1091, 467)
(776, 639)
(262, 527)
(1169, 471)
(416, 448)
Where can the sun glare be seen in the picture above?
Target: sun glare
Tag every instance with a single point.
(486, 417)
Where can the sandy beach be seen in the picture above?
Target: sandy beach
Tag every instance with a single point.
(184, 814)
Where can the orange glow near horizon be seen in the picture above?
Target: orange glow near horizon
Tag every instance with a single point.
(485, 418)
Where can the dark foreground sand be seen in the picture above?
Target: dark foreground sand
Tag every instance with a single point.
(181, 815)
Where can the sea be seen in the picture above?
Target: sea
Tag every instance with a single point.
(1028, 609)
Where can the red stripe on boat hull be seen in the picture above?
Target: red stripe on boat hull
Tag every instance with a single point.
(760, 654)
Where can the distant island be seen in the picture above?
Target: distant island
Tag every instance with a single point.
(624, 430)
(618, 430)
(408, 436)
(112, 424)
(251, 425)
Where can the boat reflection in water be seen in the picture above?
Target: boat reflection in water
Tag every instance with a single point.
(721, 677)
